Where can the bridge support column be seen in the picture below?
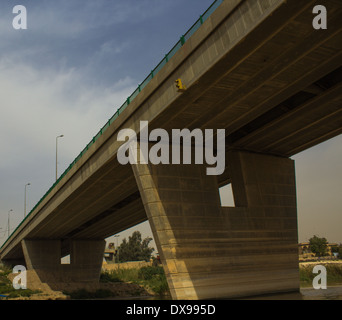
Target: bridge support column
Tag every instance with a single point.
(214, 252)
(44, 258)
(263, 224)
(86, 258)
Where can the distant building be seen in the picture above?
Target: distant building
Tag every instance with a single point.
(110, 252)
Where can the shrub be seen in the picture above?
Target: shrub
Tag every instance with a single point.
(155, 278)
(109, 277)
(152, 277)
(147, 273)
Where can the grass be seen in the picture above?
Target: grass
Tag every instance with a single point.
(151, 278)
(334, 274)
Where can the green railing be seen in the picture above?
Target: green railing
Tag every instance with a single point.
(160, 65)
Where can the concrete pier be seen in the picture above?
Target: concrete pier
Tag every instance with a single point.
(209, 251)
(44, 257)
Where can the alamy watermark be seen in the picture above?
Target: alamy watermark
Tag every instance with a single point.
(320, 281)
(20, 280)
(168, 150)
(320, 20)
(20, 20)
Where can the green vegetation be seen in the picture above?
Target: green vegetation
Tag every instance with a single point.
(337, 249)
(334, 274)
(135, 249)
(7, 289)
(151, 278)
(318, 246)
(154, 277)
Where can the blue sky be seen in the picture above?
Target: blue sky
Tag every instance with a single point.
(75, 65)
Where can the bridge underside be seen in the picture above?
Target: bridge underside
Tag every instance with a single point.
(274, 84)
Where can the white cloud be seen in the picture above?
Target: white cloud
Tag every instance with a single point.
(35, 107)
(38, 105)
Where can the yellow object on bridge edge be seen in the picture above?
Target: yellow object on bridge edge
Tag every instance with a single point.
(180, 86)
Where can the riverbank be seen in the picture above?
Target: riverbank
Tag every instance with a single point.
(149, 282)
(333, 268)
(123, 283)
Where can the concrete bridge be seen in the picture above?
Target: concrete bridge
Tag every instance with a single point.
(259, 70)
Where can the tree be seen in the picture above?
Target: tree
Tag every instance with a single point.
(338, 249)
(135, 249)
(318, 245)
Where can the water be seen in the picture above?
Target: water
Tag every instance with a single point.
(331, 293)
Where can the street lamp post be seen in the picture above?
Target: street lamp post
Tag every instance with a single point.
(8, 223)
(61, 136)
(27, 184)
(117, 246)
